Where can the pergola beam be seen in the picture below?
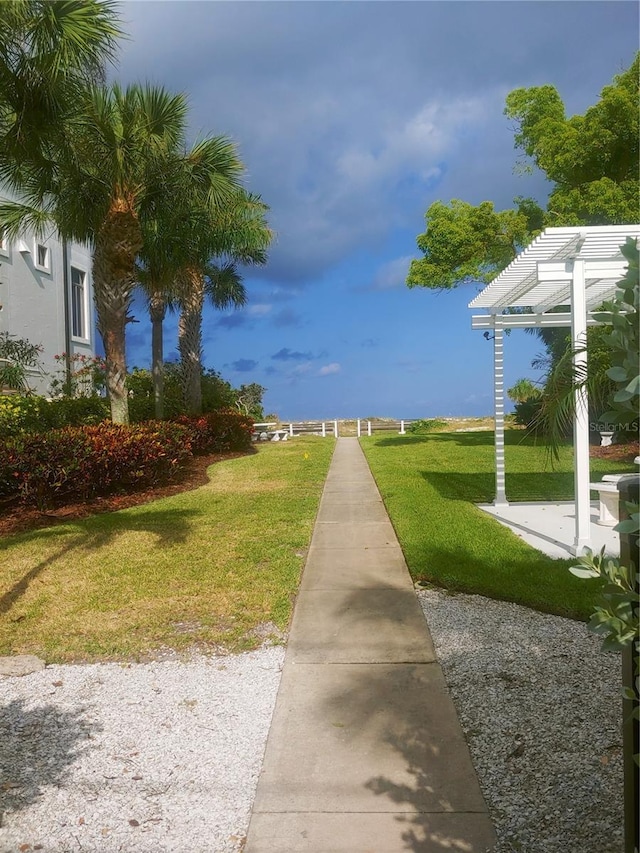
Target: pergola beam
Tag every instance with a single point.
(525, 321)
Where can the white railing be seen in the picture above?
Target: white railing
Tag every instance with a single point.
(383, 426)
(280, 432)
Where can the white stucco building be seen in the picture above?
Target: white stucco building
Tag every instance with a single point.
(46, 297)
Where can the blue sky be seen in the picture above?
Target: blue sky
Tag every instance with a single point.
(352, 118)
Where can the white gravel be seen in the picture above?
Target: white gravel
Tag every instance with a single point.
(165, 756)
(541, 708)
(150, 757)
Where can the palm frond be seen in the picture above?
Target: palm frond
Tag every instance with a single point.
(224, 286)
(558, 410)
(74, 34)
(16, 219)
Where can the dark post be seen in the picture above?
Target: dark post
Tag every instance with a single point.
(630, 493)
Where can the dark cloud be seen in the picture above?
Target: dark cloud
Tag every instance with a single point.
(370, 343)
(287, 317)
(285, 354)
(244, 365)
(345, 145)
(233, 321)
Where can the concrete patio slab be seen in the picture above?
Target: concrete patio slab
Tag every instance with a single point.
(308, 832)
(338, 627)
(360, 738)
(550, 527)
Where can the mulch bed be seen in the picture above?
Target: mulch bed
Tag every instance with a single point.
(616, 452)
(15, 517)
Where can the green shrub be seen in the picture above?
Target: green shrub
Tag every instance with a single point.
(91, 460)
(216, 393)
(527, 412)
(26, 414)
(429, 425)
(218, 432)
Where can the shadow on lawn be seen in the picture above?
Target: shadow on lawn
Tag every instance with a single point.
(466, 439)
(479, 487)
(526, 577)
(169, 526)
(39, 745)
(483, 438)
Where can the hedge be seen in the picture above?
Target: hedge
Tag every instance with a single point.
(218, 432)
(20, 414)
(80, 462)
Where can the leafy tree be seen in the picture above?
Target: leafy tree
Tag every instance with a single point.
(217, 393)
(592, 159)
(593, 163)
(464, 243)
(249, 400)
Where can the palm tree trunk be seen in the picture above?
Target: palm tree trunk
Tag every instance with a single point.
(157, 312)
(117, 244)
(190, 342)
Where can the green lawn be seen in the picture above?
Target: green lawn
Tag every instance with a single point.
(430, 485)
(206, 566)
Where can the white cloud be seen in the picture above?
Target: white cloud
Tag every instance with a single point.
(328, 369)
(259, 310)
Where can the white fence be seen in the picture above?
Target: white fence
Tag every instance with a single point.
(272, 431)
(276, 432)
(382, 426)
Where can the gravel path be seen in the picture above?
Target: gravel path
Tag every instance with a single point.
(165, 756)
(136, 757)
(541, 709)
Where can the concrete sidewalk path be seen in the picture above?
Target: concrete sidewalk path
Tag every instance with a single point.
(365, 752)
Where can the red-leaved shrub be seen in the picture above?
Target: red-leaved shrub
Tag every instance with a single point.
(218, 432)
(91, 460)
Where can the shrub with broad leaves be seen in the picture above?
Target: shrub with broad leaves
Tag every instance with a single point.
(86, 461)
(218, 432)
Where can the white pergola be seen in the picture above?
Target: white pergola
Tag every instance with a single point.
(572, 271)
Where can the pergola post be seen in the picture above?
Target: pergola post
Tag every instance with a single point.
(498, 414)
(581, 420)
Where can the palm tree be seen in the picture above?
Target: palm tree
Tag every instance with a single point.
(175, 236)
(238, 234)
(116, 166)
(49, 54)
(223, 285)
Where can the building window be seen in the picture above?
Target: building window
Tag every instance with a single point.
(4, 243)
(43, 257)
(78, 303)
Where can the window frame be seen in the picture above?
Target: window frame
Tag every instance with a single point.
(82, 304)
(36, 256)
